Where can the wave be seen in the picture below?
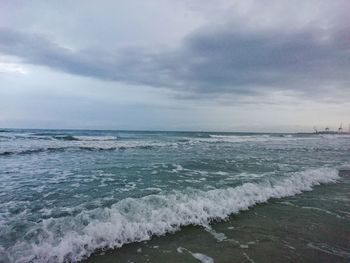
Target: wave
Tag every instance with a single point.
(58, 149)
(31, 151)
(98, 148)
(73, 238)
(65, 137)
(286, 135)
(239, 138)
(259, 138)
(85, 138)
(201, 135)
(82, 147)
(333, 136)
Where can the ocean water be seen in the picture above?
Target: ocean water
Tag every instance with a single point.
(123, 196)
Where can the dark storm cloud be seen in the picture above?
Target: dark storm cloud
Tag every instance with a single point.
(221, 61)
(243, 62)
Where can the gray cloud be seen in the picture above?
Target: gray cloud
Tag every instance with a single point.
(209, 61)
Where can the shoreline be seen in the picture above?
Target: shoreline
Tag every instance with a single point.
(280, 229)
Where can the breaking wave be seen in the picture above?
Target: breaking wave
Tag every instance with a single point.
(73, 238)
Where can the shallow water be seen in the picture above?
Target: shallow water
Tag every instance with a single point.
(218, 197)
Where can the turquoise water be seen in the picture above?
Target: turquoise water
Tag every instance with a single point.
(66, 195)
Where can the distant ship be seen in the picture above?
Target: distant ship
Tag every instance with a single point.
(327, 130)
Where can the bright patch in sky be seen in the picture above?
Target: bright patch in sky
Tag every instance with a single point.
(12, 68)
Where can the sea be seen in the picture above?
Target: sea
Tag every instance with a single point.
(148, 196)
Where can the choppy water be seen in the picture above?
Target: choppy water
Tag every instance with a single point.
(67, 194)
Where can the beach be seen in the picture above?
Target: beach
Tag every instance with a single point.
(124, 196)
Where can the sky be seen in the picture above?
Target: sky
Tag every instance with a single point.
(225, 65)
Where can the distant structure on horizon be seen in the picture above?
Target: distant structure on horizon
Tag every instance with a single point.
(327, 130)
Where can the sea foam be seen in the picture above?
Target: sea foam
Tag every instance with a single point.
(73, 238)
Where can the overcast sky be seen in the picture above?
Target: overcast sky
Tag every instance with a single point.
(220, 65)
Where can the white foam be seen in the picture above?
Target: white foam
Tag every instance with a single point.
(248, 258)
(201, 257)
(253, 138)
(330, 250)
(322, 210)
(237, 138)
(334, 136)
(218, 236)
(153, 189)
(95, 138)
(177, 168)
(129, 187)
(136, 219)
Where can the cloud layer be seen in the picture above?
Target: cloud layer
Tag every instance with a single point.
(207, 61)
